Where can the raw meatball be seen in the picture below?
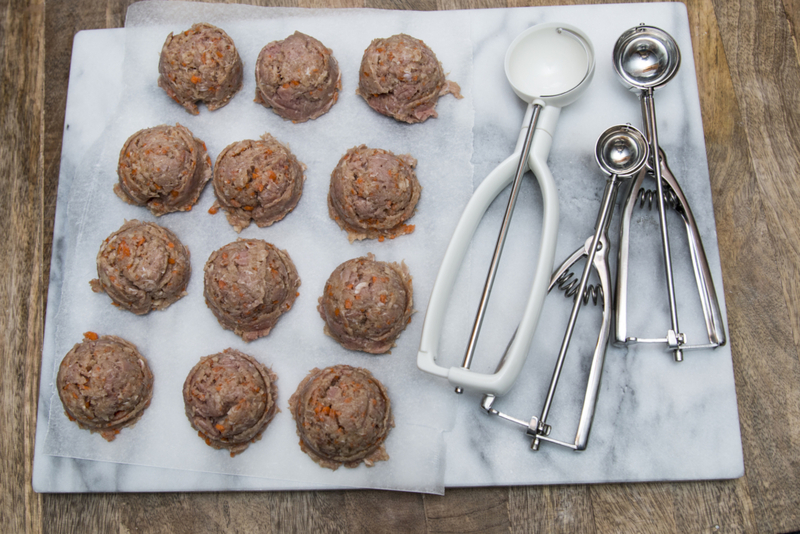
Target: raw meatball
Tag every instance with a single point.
(200, 65)
(142, 267)
(373, 192)
(230, 398)
(343, 416)
(249, 284)
(164, 168)
(104, 384)
(366, 304)
(258, 180)
(297, 77)
(400, 77)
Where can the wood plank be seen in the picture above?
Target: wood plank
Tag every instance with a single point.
(384, 511)
(634, 508)
(21, 305)
(713, 507)
(79, 514)
(552, 509)
(189, 513)
(758, 205)
(465, 510)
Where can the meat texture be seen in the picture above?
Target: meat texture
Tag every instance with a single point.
(373, 192)
(249, 284)
(200, 65)
(343, 416)
(104, 384)
(400, 77)
(257, 180)
(230, 398)
(298, 78)
(366, 304)
(164, 168)
(142, 267)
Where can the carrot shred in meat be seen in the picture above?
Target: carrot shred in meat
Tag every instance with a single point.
(248, 208)
(219, 427)
(171, 261)
(348, 304)
(383, 298)
(196, 79)
(123, 249)
(90, 335)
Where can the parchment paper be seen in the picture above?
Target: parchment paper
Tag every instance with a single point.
(173, 340)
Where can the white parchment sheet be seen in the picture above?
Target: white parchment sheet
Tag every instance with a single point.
(173, 340)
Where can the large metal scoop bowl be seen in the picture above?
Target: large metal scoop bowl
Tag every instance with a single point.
(646, 57)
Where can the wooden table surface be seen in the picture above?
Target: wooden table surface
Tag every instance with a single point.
(748, 73)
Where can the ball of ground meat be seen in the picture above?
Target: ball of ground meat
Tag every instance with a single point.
(373, 192)
(343, 416)
(298, 78)
(104, 384)
(249, 284)
(400, 77)
(366, 304)
(200, 65)
(257, 180)
(142, 267)
(163, 168)
(230, 398)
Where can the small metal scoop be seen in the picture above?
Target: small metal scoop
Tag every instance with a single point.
(646, 58)
(621, 151)
(548, 66)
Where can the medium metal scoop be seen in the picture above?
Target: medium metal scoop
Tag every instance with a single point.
(621, 151)
(646, 58)
(549, 66)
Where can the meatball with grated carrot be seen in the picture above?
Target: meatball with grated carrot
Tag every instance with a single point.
(104, 384)
(343, 416)
(142, 267)
(366, 304)
(230, 398)
(200, 64)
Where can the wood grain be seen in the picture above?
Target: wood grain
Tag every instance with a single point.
(21, 283)
(748, 74)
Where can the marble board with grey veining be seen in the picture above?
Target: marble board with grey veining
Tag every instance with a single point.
(655, 419)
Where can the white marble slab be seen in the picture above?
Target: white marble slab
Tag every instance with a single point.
(655, 419)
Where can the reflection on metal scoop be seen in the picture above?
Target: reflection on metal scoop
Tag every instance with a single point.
(646, 58)
(549, 66)
(621, 151)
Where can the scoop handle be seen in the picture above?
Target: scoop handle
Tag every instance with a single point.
(503, 378)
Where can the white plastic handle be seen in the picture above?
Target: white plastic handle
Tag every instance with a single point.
(501, 381)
